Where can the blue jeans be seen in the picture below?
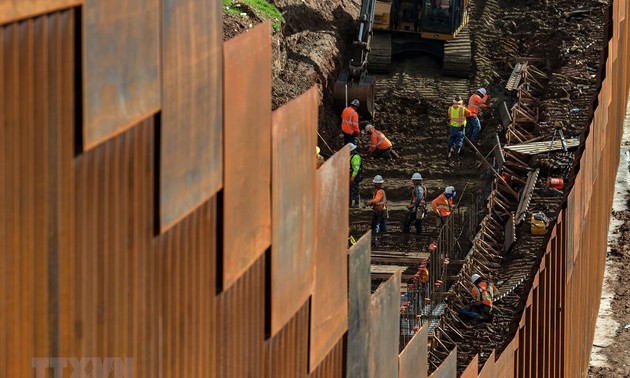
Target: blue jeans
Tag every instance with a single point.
(474, 310)
(473, 128)
(378, 222)
(411, 217)
(456, 138)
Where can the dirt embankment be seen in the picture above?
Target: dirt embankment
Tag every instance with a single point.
(308, 50)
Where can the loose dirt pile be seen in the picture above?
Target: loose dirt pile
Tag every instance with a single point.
(308, 50)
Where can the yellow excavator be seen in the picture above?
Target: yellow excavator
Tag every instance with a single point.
(387, 28)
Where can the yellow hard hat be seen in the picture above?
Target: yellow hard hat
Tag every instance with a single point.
(317, 150)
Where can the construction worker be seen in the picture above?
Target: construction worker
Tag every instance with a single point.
(320, 158)
(350, 122)
(443, 204)
(379, 206)
(457, 114)
(356, 176)
(483, 292)
(416, 206)
(475, 103)
(380, 146)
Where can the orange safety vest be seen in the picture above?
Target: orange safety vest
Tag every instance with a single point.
(350, 121)
(414, 197)
(457, 116)
(484, 293)
(442, 205)
(475, 102)
(379, 202)
(424, 275)
(380, 141)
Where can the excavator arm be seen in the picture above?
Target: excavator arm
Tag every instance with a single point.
(356, 82)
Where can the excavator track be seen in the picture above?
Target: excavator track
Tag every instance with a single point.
(458, 55)
(380, 55)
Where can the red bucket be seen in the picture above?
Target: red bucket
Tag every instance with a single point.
(555, 182)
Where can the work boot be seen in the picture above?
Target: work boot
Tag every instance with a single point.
(450, 151)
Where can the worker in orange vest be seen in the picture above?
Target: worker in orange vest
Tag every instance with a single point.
(379, 206)
(457, 114)
(380, 146)
(416, 206)
(476, 102)
(350, 122)
(483, 292)
(443, 204)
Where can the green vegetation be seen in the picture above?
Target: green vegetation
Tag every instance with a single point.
(262, 8)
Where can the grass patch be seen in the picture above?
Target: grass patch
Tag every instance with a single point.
(263, 9)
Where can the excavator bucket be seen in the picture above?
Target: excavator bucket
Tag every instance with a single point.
(347, 89)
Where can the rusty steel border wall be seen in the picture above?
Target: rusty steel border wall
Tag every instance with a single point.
(149, 209)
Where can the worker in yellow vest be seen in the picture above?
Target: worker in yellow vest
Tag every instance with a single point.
(457, 114)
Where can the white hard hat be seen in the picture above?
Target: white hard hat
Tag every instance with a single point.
(449, 190)
(352, 146)
(416, 176)
(378, 179)
(474, 278)
(355, 102)
(482, 91)
(368, 127)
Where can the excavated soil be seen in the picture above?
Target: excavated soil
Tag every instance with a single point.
(563, 38)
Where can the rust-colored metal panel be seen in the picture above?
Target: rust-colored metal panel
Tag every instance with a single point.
(14, 10)
(286, 353)
(472, 369)
(294, 127)
(240, 327)
(413, 360)
(332, 364)
(329, 312)
(359, 308)
(247, 151)
(385, 328)
(121, 63)
(36, 147)
(188, 252)
(448, 368)
(191, 154)
(488, 368)
(113, 276)
(504, 365)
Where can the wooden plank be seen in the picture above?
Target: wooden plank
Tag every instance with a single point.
(329, 314)
(357, 364)
(191, 158)
(534, 148)
(247, 151)
(526, 196)
(294, 126)
(385, 329)
(121, 61)
(14, 10)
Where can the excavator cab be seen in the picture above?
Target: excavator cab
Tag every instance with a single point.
(442, 17)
